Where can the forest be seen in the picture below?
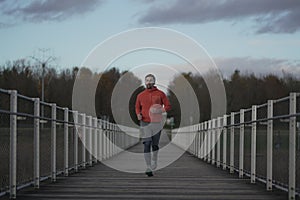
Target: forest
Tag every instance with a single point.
(242, 89)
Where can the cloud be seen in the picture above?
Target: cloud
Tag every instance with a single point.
(5, 25)
(46, 10)
(270, 16)
(258, 66)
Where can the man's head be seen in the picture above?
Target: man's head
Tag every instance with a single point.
(149, 81)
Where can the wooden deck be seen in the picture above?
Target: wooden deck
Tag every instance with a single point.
(187, 178)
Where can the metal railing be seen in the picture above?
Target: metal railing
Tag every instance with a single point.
(34, 148)
(262, 142)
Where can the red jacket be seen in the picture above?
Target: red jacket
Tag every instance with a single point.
(149, 99)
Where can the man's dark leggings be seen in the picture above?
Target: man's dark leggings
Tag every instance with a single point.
(153, 141)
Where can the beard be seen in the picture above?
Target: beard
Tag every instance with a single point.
(149, 85)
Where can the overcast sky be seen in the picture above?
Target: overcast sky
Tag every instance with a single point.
(260, 36)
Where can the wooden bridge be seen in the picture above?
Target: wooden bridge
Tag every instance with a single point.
(187, 178)
(250, 154)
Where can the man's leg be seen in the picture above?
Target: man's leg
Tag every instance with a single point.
(147, 156)
(155, 148)
(147, 152)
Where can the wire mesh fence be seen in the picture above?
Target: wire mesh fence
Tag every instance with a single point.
(298, 145)
(4, 142)
(261, 142)
(25, 140)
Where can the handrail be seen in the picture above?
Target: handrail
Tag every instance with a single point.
(86, 126)
(204, 141)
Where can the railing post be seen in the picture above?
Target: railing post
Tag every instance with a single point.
(95, 139)
(209, 141)
(104, 125)
(113, 139)
(66, 141)
(200, 141)
(242, 130)
(53, 142)
(224, 142)
(205, 139)
(270, 146)
(116, 139)
(36, 144)
(195, 140)
(76, 127)
(253, 145)
(292, 147)
(13, 145)
(83, 121)
(218, 141)
(90, 144)
(213, 139)
(107, 140)
(110, 139)
(100, 140)
(232, 143)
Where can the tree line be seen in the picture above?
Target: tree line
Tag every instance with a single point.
(242, 90)
(26, 79)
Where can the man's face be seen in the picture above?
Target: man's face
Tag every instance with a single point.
(149, 82)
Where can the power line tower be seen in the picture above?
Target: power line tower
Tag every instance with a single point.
(43, 61)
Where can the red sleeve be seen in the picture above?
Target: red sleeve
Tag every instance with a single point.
(138, 105)
(167, 105)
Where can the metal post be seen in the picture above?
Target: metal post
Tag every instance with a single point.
(194, 136)
(205, 141)
(110, 139)
(270, 146)
(36, 144)
(75, 117)
(101, 140)
(53, 143)
(95, 139)
(292, 147)
(209, 141)
(242, 131)
(218, 141)
(104, 140)
(199, 140)
(66, 141)
(253, 145)
(116, 143)
(90, 144)
(213, 137)
(113, 139)
(13, 145)
(107, 139)
(232, 143)
(83, 121)
(202, 140)
(224, 142)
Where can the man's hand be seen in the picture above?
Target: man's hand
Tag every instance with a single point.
(139, 117)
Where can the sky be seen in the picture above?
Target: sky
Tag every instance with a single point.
(253, 36)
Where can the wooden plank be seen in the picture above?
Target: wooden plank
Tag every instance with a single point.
(186, 178)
